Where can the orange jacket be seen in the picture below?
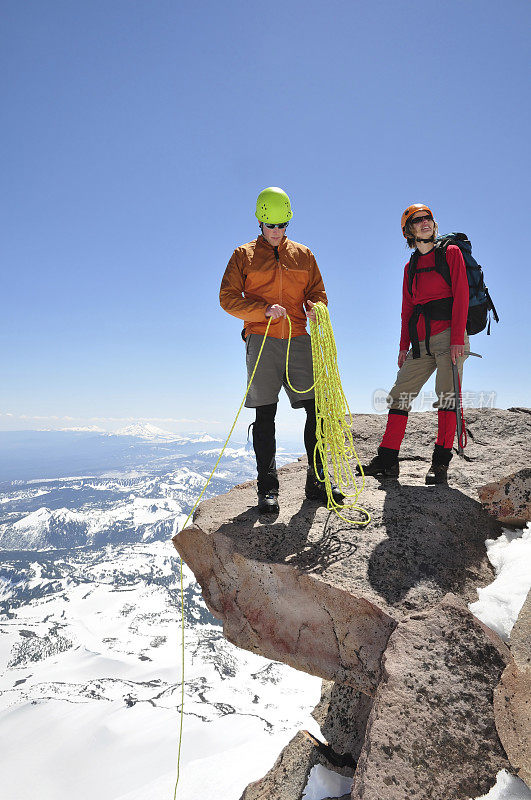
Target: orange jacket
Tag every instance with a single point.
(259, 275)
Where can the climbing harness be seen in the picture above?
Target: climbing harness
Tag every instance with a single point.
(334, 439)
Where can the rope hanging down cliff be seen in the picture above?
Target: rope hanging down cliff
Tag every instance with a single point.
(334, 439)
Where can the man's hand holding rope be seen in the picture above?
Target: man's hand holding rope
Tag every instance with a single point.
(275, 311)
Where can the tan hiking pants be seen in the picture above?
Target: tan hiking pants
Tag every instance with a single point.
(415, 372)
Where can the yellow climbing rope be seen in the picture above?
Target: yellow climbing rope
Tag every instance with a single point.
(181, 566)
(334, 418)
(334, 440)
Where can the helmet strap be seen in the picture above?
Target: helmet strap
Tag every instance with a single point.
(431, 239)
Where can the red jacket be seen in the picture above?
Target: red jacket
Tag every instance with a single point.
(432, 286)
(257, 276)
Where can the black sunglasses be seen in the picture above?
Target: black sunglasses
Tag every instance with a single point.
(277, 225)
(421, 219)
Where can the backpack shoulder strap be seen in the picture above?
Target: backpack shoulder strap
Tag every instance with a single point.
(441, 264)
(411, 270)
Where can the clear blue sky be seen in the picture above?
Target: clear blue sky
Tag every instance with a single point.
(136, 136)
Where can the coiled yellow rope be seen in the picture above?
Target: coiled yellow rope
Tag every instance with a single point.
(334, 418)
(334, 439)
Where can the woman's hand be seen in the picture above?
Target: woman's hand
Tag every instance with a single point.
(456, 351)
(402, 355)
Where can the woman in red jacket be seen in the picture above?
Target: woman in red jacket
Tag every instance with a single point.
(434, 316)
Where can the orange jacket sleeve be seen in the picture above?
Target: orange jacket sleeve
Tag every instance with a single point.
(231, 294)
(315, 291)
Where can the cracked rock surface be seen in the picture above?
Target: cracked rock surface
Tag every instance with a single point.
(288, 777)
(313, 591)
(431, 732)
(326, 597)
(509, 500)
(512, 699)
(342, 716)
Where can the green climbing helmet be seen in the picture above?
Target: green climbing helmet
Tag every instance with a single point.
(273, 206)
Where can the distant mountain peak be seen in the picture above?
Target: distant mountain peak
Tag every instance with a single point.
(85, 429)
(145, 430)
(203, 437)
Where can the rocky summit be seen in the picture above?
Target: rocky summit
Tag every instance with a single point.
(380, 612)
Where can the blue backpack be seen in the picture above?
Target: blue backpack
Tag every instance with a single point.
(480, 302)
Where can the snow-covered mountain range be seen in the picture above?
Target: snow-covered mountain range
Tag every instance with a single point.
(52, 454)
(89, 640)
(139, 430)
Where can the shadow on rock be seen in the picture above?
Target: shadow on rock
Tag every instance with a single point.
(317, 556)
(264, 539)
(436, 544)
(342, 715)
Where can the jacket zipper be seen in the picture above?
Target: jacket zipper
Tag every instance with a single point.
(282, 324)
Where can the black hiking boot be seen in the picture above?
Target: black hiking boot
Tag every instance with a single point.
(268, 503)
(267, 488)
(264, 447)
(384, 465)
(316, 489)
(438, 472)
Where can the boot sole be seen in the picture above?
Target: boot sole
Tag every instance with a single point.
(323, 500)
(434, 482)
(379, 474)
(269, 510)
(392, 475)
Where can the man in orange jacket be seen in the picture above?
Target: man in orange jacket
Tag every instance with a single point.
(274, 277)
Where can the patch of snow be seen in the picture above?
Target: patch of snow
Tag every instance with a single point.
(13, 498)
(324, 782)
(500, 602)
(507, 787)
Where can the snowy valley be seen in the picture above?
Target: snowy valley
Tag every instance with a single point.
(89, 645)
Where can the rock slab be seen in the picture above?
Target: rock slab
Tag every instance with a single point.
(288, 776)
(342, 716)
(509, 500)
(431, 732)
(512, 698)
(286, 615)
(329, 598)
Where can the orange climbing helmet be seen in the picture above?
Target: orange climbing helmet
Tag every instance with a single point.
(410, 210)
